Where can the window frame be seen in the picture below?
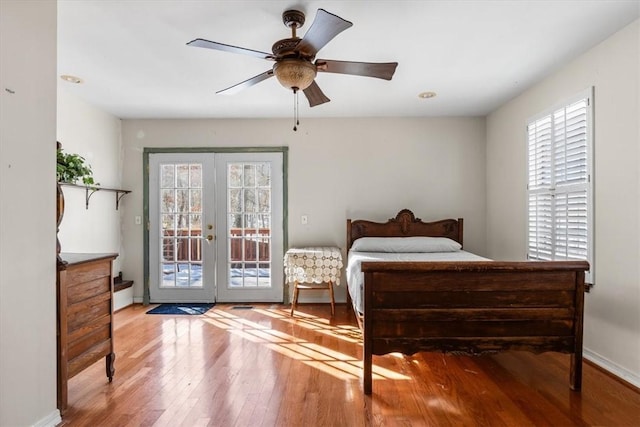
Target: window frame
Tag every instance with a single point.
(588, 95)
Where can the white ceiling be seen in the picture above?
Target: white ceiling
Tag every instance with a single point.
(476, 55)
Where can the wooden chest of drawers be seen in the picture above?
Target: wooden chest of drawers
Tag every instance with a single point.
(85, 316)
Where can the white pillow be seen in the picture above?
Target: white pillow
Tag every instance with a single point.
(405, 244)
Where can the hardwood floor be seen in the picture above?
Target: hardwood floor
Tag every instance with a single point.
(260, 367)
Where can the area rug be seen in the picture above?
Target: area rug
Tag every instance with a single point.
(181, 308)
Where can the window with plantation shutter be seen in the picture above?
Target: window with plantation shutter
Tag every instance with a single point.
(560, 180)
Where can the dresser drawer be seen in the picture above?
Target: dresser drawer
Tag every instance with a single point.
(88, 340)
(88, 311)
(86, 290)
(87, 272)
(89, 357)
(88, 328)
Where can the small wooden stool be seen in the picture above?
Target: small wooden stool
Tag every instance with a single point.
(298, 286)
(317, 267)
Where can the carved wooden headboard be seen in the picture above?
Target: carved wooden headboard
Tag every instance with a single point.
(405, 224)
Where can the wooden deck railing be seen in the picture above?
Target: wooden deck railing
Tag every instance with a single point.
(186, 245)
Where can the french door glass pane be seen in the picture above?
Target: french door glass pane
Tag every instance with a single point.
(249, 234)
(181, 225)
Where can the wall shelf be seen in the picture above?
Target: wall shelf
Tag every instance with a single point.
(90, 190)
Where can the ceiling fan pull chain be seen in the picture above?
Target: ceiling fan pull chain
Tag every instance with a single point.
(297, 109)
(296, 122)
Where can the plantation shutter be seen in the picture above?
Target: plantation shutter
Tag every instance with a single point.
(559, 183)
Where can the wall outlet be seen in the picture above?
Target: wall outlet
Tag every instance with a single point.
(137, 220)
(304, 219)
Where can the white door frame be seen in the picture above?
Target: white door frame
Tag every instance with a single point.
(150, 150)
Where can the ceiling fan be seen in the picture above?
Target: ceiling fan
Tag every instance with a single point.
(294, 65)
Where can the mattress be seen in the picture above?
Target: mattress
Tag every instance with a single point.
(355, 277)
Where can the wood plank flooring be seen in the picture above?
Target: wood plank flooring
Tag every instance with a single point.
(260, 367)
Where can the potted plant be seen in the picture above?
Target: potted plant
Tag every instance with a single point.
(72, 167)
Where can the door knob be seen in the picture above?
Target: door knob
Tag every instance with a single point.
(209, 237)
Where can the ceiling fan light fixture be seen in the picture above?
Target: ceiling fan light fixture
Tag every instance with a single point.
(295, 73)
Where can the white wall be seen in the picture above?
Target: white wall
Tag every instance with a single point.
(612, 314)
(27, 212)
(338, 169)
(95, 135)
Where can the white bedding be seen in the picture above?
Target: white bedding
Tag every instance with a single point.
(355, 277)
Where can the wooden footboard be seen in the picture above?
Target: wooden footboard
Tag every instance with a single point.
(474, 308)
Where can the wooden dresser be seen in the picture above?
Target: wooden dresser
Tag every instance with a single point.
(85, 316)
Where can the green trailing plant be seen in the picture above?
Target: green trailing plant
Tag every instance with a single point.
(73, 167)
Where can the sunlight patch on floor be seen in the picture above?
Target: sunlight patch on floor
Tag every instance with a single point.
(348, 333)
(335, 363)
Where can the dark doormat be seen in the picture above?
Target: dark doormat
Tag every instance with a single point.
(181, 308)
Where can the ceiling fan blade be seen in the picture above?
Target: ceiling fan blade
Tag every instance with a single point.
(228, 48)
(315, 95)
(380, 70)
(324, 28)
(247, 83)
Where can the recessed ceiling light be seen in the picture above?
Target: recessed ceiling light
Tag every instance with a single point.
(71, 79)
(427, 95)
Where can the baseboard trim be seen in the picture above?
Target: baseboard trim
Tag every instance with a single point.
(51, 420)
(612, 368)
(138, 300)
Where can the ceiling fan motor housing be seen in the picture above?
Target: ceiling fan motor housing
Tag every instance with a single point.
(285, 47)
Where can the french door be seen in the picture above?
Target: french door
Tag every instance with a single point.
(215, 227)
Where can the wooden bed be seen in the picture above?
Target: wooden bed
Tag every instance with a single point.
(467, 307)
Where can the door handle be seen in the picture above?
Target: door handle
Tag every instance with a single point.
(209, 236)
